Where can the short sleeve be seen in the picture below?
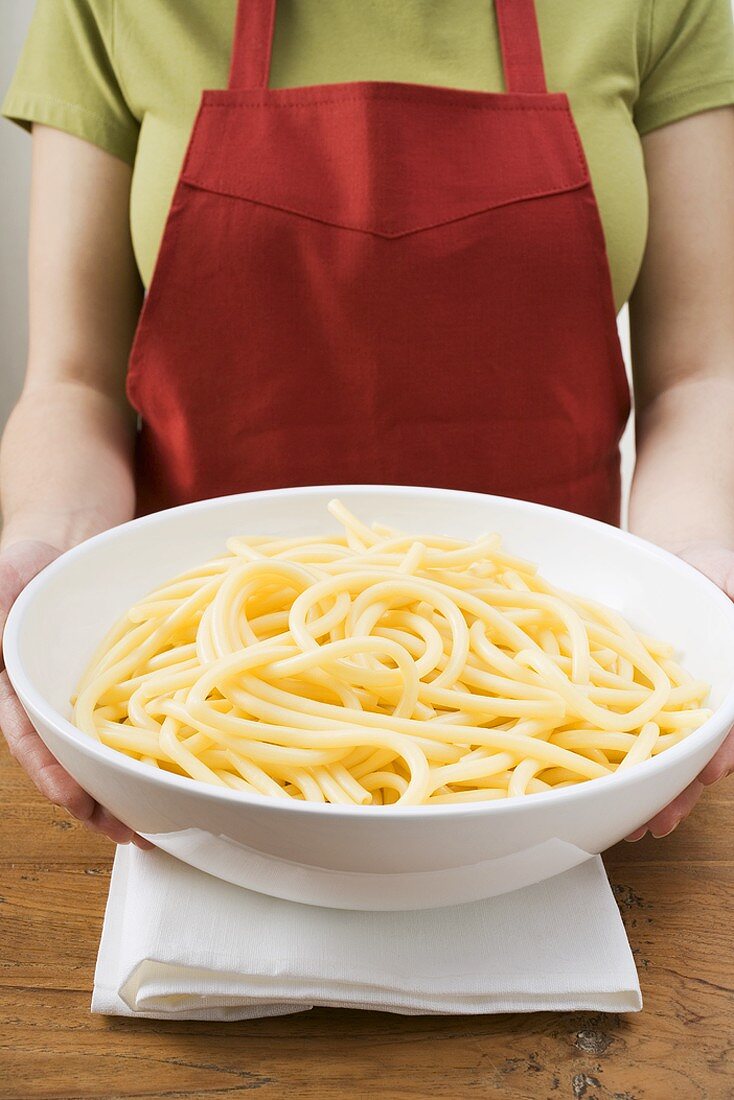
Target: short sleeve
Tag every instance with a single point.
(689, 65)
(66, 76)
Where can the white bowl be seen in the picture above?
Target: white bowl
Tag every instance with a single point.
(367, 857)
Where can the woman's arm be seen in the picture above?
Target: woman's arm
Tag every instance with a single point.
(66, 459)
(682, 321)
(66, 465)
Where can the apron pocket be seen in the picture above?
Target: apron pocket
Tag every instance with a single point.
(395, 159)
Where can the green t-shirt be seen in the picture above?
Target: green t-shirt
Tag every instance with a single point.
(128, 74)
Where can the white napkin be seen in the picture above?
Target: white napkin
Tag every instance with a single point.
(180, 944)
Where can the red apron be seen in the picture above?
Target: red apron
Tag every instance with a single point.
(386, 283)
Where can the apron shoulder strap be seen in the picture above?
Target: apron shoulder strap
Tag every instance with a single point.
(253, 44)
(522, 56)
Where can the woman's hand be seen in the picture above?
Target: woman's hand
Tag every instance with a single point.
(717, 563)
(66, 461)
(682, 331)
(18, 565)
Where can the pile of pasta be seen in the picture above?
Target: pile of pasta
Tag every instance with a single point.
(373, 667)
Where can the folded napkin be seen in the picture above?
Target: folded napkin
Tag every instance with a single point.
(179, 944)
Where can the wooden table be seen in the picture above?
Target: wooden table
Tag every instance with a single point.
(676, 897)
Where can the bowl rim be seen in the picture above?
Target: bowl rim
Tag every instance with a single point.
(34, 701)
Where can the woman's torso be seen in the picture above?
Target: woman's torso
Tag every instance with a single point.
(592, 51)
(128, 75)
(382, 282)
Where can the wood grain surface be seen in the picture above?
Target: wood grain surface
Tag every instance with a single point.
(676, 897)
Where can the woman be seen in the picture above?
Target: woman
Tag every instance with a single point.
(393, 255)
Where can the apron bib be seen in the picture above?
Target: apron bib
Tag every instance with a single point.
(382, 283)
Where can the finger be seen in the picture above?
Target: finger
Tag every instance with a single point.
(670, 817)
(36, 760)
(10, 586)
(106, 824)
(143, 844)
(722, 764)
(18, 565)
(49, 777)
(55, 783)
(102, 821)
(58, 787)
(715, 561)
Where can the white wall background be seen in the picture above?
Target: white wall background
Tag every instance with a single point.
(15, 148)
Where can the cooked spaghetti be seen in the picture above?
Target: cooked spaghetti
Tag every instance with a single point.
(374, 667)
